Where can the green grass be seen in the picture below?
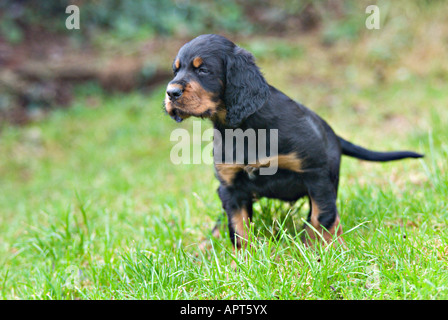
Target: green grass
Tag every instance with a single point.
(91, 206)
(90, 195)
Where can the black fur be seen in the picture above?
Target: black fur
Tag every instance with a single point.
(349, 149)
(250, 103)
(245, 92)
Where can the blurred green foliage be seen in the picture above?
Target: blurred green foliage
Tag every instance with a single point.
(134, 20)
(274, 49)
(124, 19)
(348, 29)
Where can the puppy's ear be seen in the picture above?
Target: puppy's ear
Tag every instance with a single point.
(246, 89)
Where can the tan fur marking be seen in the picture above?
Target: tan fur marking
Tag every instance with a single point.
(196, 100)
(288, 161)
(326, 235)
(168, 105)
(228, 171)
(220, 115)
(315, 212)
(241, 225)
(174, 85)
(177, 63)
(197, 62)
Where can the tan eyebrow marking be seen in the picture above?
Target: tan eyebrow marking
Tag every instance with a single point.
(177, 63)
(197, 62)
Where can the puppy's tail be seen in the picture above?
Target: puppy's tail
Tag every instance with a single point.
(351, 150)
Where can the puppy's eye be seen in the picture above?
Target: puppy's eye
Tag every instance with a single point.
(202, 70)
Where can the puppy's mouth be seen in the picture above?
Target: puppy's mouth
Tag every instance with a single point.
(177, 115)
(174, 112)
(180, 115)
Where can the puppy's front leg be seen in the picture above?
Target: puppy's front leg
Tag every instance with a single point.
(238, 206)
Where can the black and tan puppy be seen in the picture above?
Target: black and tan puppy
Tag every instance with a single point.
(215, 79)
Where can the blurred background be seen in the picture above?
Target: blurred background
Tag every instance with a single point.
(84, 142)
(125, 46)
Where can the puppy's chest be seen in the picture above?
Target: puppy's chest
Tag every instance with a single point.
(260, 167)
(274, 177)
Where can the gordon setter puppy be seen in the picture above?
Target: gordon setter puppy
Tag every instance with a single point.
(218, 80)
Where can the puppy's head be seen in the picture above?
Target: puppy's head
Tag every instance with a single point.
(214, 78)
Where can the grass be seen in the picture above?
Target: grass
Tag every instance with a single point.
(92, 208)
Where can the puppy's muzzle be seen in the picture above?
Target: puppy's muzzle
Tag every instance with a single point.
(174, 92)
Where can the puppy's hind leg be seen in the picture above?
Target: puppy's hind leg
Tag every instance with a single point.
(324, 222)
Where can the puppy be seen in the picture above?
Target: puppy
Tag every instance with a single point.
(217, 80)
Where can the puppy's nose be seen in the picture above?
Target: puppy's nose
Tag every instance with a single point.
(174, 93)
